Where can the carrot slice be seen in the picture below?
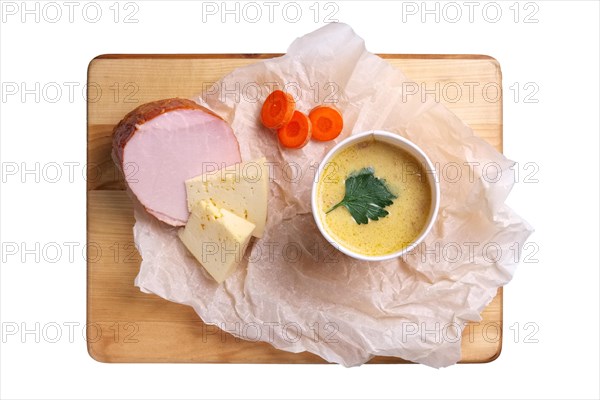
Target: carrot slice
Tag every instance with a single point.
(296, 133)
(327, 123)
(277, 109)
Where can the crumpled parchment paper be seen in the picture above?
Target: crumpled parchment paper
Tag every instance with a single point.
(293, 289)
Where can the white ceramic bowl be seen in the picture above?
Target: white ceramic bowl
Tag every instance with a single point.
(410, 148)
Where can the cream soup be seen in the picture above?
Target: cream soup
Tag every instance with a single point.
(403, 176)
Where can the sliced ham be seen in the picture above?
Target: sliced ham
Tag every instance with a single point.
(161, 144)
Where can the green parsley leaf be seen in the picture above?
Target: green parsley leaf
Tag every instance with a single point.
(366, 196)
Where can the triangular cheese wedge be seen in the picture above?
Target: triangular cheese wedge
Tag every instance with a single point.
(217, 238)
(241, 188)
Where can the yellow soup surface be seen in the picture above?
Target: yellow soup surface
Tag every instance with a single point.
(403, 176)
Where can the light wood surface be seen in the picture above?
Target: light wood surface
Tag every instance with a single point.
(125, 325)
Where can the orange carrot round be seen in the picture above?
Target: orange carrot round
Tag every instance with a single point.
(277, 109)
(296, 133)
(327, 123)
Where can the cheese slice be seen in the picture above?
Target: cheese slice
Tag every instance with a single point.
(241, 188)
(217, 238)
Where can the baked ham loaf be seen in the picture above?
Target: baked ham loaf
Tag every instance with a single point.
(160, 144)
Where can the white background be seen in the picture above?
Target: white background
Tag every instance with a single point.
(558, 294)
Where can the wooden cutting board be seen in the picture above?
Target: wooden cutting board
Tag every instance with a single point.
(125, 325)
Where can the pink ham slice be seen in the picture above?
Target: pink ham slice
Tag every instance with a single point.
(161, 144)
